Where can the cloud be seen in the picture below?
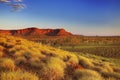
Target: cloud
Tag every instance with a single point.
(4, 1)
(16, 5)
(18, 0)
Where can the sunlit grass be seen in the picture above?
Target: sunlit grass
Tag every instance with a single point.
(7, 64)
(87, 75)
(53, 70)
(50, 63)
(17, 75)
(85, 62)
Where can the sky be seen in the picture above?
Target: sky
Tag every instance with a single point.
(84, 17)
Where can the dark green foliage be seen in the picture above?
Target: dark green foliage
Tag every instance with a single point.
(76, 40)
(105, 51)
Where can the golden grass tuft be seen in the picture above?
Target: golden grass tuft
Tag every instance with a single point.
(55, 60)
(1, 51)
(86, 75)
(99, 69)
(30, 54)
(85, 62)
(2, 40)
(37, 66)
(107, 67)
(1, 48)
(53, 70)
(1, 54)
(34, 59)
(52, 73)
(20, 60)
(7, 64)
(108, 75)
(116, 69)
(19, 53)
(18, 75)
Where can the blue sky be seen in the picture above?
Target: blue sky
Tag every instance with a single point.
(86, 17)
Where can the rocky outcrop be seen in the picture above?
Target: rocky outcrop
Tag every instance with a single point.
(36, 31)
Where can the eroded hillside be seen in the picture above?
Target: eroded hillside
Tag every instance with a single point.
(33, 31)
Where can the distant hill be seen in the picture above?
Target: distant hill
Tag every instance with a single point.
(37, 31)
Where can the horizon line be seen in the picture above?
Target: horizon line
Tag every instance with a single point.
(66, 30)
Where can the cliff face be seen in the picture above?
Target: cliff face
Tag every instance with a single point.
(36, 31)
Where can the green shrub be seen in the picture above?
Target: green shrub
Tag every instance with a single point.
(86, 75)
(18, 75)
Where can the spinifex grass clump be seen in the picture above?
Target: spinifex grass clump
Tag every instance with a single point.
(87, 75)
(53, 70)
(17, 75)
(20, 60)
(6, 64)
(85, 62)
(1, 51)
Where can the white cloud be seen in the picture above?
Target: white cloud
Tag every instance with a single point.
(4, 1)
(17, 5)
(18, 0)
